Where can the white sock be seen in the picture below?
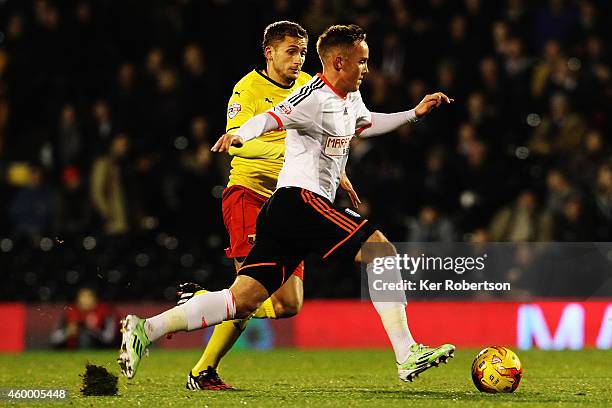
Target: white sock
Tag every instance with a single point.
(393, 317)
(170, 321)
(204, 310)
(391, 308)
(209, 308)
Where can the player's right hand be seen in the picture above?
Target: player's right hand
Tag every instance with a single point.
(225, 141)
(347, 186)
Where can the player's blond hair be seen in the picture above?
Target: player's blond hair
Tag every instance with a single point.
(339, 36)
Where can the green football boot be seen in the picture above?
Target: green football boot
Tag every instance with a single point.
(423, 358)
(134, 345)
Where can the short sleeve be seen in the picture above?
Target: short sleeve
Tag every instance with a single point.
(240, 108)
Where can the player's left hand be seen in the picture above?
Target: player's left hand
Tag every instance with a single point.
(225, 141)
(347, 186)
(430, 102)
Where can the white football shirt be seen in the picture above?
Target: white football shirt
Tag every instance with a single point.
(320, 125)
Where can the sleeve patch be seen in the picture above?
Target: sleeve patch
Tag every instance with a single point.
(233, 110)
(284, 108)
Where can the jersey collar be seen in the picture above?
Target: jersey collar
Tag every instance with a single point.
(320, 75)
(261, 72)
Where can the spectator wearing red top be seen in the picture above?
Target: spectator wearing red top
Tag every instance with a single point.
(87, 324)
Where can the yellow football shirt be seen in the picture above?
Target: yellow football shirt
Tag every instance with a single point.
(256, 165)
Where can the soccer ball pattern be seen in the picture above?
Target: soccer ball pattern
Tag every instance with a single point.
(497, 369)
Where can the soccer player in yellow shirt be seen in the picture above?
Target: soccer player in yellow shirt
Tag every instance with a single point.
(254, 172)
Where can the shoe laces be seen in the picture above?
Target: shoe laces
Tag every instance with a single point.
(416, 347)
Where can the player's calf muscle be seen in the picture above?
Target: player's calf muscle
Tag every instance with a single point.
(283, 310)
(382, 248)
(288, 300)
(246, 306)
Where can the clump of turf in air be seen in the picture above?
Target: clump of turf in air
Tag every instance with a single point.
(98, 381)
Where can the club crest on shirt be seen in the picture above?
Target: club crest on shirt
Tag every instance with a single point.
(233, 110)
(285, 108)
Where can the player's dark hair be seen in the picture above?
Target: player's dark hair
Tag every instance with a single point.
(277, 31)
(342, 36)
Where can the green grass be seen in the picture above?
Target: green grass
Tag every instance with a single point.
(317, 379)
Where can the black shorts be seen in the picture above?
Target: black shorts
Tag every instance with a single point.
(294, 223)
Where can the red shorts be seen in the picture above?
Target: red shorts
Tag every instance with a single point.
(240, 207)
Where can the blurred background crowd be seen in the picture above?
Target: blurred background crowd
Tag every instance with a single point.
(108, 110)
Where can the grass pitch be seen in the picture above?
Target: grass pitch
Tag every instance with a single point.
(315, 378)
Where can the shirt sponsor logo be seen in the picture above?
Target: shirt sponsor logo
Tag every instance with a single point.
(233, 110)
(337, 146)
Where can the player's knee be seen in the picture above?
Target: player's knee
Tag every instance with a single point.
(248, 295)
(382, 248)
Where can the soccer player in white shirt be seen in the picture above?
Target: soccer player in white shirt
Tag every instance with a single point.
(300, 218)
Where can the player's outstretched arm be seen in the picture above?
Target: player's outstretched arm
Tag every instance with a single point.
(430, 102)
(387, 122)
(258, 149)
(225, 141)
(254, 127)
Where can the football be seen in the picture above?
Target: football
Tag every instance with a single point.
(497, 369)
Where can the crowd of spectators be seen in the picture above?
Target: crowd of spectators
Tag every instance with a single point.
(108, 110)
